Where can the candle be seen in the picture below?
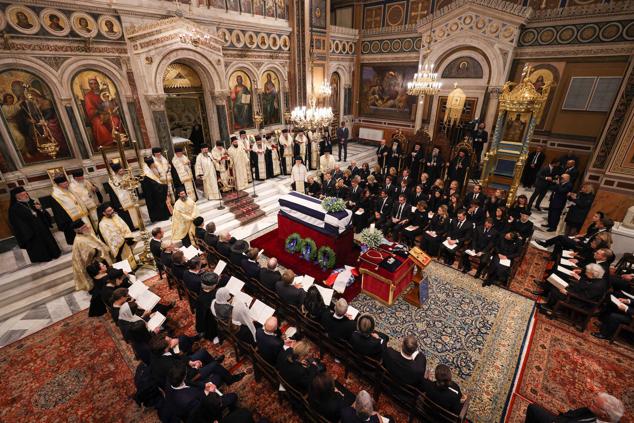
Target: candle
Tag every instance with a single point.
(105, 161)
(123, 161)
(138, 154)
(372, 226)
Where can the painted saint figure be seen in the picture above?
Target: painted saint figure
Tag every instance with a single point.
(102, 115)
(241, 105)
(270, 107)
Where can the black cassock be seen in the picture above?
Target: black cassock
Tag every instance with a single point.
(255, 165)
(116, 205)
(268, 159)
(155, 199)
(63, 221)
(31, 229)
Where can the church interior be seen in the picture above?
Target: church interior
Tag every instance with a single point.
(317, 210)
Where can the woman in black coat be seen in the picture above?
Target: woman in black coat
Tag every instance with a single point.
(578, 212)
(443, 391)
(440, 225)
(98, 271)
(361, 221)
(326, 399)
(30, 225)
(313, 306)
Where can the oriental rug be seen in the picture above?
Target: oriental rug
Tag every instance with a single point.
(478, 332)
(72, 371)
(565, 368)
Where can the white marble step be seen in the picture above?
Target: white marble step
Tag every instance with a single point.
(27, 288)
(33, 272)
(40, 296)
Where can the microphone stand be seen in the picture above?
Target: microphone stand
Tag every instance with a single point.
(254, 195)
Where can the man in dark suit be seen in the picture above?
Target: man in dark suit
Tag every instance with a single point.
(571, 169)
(590, 287)
(476, 195)
(290, 293)
(534, 162)
(337, 324)
(434, 164)
(382, 154)
(328, 185)
(403, 189)
(400, 217)
(482, 242)
(407, 179)
(269, 275)
(354, 169)
(341, 190)
(544, 181)
(210, 238)
(250, 263)
(459, 232)
(268, 341)
(383, 209)
(366, 341)
(342, 139)
(408, 365)
(476, 213)
(155, 247)
(604, 407)
(480, 137)
(325, 145)
(354, 195)
(558, 202)
(224, 244)
(390, 188)
(191, 278)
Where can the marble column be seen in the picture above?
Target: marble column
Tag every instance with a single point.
(492, 107)
(420, 106)
(156, 103)
(220, 99)
(74, 124)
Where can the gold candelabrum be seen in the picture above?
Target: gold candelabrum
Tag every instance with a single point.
(130, 182)
(45, 142)
(522, 100)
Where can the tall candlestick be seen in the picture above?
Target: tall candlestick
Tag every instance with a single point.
(123, 161)
(138, 155)
(105, 161)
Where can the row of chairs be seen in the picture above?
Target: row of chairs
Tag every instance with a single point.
(414, 401)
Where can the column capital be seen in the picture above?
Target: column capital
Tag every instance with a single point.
(156, 101)
(494, 92)
(219, 96)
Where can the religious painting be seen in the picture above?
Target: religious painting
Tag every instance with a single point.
(270, 84)
(233, 5)
(463, 67)
(84, 24)
(417, 11)
(541, 78)
(395, 14)
(372, 17)
(258, 7)
(270, 8)
(22, 19)
(31, 117)
(383, 92)
(245, 6)
(55, 22)
(280, 5)
(100, 106)
(241, 100)
(109, 27)
(335, 81)
(515, 126)
(318, 14)
(185, 115)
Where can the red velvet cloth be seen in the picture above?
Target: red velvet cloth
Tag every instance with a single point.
(273, 245)
(375, 277)
(342, 244)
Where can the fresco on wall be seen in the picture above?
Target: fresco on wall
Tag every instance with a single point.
(99, 103)
(31, 116)
(280, 5)
(270, 8)
(233, 5)
(383, 92)
(258, 7)
(245, 6)
(270, 84)
(463, 67)
(318, 15)
(515, 126)
(417, 11)
(241, 100)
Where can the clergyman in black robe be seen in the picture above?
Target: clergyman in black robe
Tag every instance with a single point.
(155, 194)
(30, 226)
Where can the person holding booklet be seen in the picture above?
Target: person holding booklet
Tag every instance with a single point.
(338, 324)
(623, 312)
(459, 232)
(507, 249)
(591, 287)
(482, 242)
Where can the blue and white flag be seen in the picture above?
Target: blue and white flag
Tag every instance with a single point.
(308, 210)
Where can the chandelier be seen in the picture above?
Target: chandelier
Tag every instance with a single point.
(312, 117)
(425, 81)
(325, 90)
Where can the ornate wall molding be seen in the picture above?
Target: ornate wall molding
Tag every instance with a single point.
(55, 62)
(393, 46)
(156, 102)
(608, 31)
(587, 11)
(579, 51)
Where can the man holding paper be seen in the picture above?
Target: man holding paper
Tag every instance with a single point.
(506, 250)
(482, 242)
(290, 291)
(400, 217)
(591, 288)
(459, 232)
(337, 324)
(623, 315)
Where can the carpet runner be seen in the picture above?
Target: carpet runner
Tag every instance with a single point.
(243, 207)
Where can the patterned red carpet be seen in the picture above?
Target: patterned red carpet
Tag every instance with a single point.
(565, 368)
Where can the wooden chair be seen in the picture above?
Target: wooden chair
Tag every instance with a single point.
(428, 411)
(262, 368)
(294, 397)
(575, 314)
(367, 368)
(404, 395)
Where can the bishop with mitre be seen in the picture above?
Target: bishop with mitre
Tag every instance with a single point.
(116, 234)
(86, 248)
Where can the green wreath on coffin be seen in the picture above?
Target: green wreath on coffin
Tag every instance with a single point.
(326, 257)
(308, 249)
(293, 243)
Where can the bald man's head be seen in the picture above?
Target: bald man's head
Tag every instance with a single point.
(272, 263)
(270, 325)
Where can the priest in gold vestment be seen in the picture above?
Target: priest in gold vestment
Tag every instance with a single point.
(206, 171)
(87, 193)
(185, 211)
(116, 234)
(67, 208)
(240, 161)
(86, 248)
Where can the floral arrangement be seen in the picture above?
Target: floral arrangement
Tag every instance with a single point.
(371, 237)
(308, 249)
(333, 204)
(326, 257)
(293, 243)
